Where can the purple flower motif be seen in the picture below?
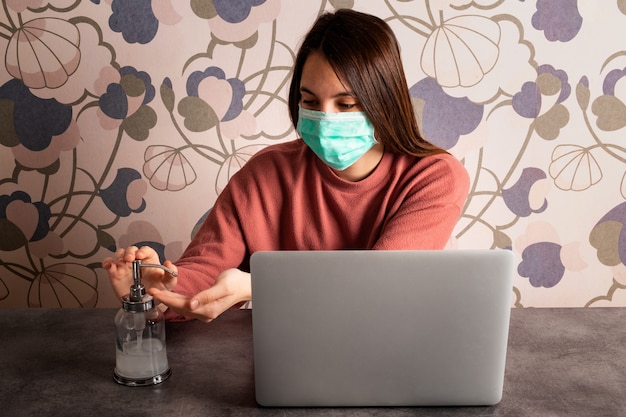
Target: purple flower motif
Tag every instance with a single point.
(29, 120)
(134, 90)
(135, 20)
(548, 88)
(147, 88)
(236, 21)
(518, 197)
(527, 103)
(125, 104)
(559, 19)
(22, 221)
(124, 195)
(611, 79)
(445, 118)
(235, 11)
(113, 103)
(211, 99)
(238, 89)
(609, 237)
(542, 265)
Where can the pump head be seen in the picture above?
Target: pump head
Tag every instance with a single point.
(137, 299)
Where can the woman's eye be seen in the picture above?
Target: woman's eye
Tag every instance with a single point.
(347, 106)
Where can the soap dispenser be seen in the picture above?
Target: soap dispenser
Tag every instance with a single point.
(141, 357)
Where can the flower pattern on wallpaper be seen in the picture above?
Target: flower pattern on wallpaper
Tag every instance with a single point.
(120, 123)
(461, 50)
(43, 52)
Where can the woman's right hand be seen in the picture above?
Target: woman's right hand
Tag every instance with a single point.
(120, 270)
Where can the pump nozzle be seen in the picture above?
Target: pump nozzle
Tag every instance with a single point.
(166, 269)
(137, 300)
(137, 290)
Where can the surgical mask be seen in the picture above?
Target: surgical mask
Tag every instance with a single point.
(338, 139)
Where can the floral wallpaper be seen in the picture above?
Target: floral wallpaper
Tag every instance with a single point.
(121, 121)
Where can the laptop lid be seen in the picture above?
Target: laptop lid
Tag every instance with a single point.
(380, 328)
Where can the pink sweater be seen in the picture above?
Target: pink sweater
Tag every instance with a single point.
(285, 198)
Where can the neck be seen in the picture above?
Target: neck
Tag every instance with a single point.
(362, 168)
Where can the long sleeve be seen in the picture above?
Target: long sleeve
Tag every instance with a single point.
(425, 210)
(285, 198)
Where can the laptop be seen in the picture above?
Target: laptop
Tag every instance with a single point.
(380, 328)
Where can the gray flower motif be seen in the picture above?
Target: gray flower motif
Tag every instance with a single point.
(609, 108)
(460, 51)
(574, 168)
(167, 168)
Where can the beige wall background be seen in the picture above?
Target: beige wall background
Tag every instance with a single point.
(121, 121)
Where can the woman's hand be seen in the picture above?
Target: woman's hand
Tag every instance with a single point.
(120, 270)
(231, 287)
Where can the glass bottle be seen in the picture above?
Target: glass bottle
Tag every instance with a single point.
(141, 356)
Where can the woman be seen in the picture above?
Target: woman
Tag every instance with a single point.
(360, 177)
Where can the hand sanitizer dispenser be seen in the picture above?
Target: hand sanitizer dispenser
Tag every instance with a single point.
(141, 357)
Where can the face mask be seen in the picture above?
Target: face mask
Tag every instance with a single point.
(338, 139)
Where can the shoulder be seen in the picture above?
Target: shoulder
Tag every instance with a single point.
(280, 156)
(440, 174)
(281, 160)
(442, 166)
(445, 164)
(279, 151)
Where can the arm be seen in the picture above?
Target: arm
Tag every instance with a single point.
(208, 282)
(208, 279)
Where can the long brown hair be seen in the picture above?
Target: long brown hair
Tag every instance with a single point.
(363, 50)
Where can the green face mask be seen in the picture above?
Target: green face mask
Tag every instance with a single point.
(338, 139)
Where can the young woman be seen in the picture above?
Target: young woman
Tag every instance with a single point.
(360, 176)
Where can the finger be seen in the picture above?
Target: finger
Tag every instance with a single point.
(120, 253)
(176, 302)
(169, 280)
(208, 296)
(113, 266)
(130, 253)
(107, 263)
(171, 299)
(147, 253)
(182, 305)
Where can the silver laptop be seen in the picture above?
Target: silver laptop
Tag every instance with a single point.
(380, 328)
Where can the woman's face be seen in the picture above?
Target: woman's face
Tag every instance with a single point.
(322, 90)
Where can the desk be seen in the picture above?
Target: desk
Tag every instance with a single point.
(59, 362)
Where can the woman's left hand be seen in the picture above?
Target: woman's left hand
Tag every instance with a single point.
(231, 287)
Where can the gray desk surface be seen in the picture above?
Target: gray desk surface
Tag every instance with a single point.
(560, 362)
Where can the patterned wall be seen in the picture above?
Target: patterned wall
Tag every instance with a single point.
(121, 121)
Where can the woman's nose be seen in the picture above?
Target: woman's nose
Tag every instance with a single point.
(328, 107)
